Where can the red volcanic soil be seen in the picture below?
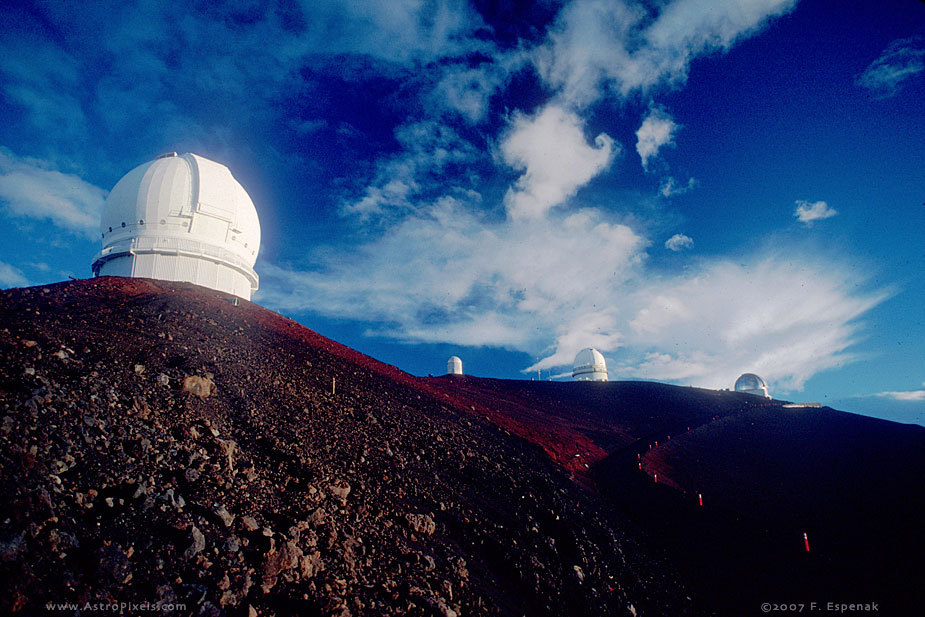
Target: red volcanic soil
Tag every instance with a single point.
(159, 444)
(581, 423)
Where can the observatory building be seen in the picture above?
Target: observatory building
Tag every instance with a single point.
(454, 366)
(181, 217)
(589, 366)
(749, 383)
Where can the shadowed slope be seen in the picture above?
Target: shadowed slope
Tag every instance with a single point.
(160, 444)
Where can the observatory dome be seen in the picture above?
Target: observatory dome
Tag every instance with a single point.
(589, 366)
(749, 383)
(454, 366)
(181, 217)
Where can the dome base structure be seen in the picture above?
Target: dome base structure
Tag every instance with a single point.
(177, 260)
(181, 218)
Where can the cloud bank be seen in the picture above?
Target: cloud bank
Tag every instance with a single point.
(912, 395)
(559, 270)
(30, 188)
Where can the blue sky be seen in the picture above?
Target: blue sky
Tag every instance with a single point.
(697, 188)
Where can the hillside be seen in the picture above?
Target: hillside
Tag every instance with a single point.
(160, 444)
(767, 474)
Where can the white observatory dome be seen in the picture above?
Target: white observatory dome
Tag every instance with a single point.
(589, 366)
(749, 383)
(181, 218)
(454, 366)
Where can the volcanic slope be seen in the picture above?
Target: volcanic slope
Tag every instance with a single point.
(767, 473)
(160, 444)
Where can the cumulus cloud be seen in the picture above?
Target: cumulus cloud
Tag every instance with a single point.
(555, 157)
(657, 130)
(900, 61)
(670, 187)
(602, 46)
(11, 276)
(808, 212)
(679, 242)
(32, 188)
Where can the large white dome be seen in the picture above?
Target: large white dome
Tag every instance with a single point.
(589, 366)
(750, 383)
(181, 218)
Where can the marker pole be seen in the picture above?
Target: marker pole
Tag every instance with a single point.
(700, 499)
(806, 541)
(656, 478)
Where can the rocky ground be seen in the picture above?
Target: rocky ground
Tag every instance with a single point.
(160, 444)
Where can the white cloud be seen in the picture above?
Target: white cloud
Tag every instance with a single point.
(679, 242)
(11, 276)
(809, 212)
(31, 188)
(468, 90)
(900, 61)
(782, 317)
(429, 149)
(448, 275)
(670, 187)
(549, 286)
(657, 130)
(555, 157)
(913, 395)
(600, 46)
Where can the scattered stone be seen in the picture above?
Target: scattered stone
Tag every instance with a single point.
(199, 543)
(200, 386)
(228, 447)
(163, 379)
(250, 524)
(288, 557)
(421, 523)
(340, 489)
(139, 369)
(226, 517)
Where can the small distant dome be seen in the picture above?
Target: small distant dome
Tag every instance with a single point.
(181, 217)
(589, 366)
(454, 366)
(749, 383)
